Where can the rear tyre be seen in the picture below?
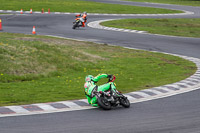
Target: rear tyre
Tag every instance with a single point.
(125, 102)
(103, 103)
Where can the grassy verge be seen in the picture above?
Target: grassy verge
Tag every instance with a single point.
(177, 2)
(5, 14)
(36, 69)
(175, 27)
(77, 6)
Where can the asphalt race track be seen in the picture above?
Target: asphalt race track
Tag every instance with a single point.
(175, 114)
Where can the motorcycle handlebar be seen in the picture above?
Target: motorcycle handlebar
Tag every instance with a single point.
(113, 78)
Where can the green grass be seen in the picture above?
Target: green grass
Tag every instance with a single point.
(4, 13)
(177, 2)
(36, 69)
(77, 6)
(176, 27)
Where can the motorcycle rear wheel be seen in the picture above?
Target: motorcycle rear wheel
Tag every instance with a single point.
(103, 103)
(125, 102)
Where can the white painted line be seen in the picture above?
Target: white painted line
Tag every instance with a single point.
(57, 13)
(9, 11)
(185, 13)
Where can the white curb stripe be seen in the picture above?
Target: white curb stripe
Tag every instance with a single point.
(153, 91)
(45, 107)
(17, 109)
(141, 94)
(172, 85)
(185, 82)
(84, 100)
(96, 24)
(130, 97)
(165, 89)
(70, 104)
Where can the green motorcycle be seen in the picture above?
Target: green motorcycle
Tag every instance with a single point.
(111, 98)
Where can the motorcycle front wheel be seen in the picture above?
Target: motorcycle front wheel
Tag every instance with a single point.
(103, 103)
(75, 25)
(125, 102)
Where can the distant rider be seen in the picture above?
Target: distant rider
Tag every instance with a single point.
(91, 87)
(83, 18)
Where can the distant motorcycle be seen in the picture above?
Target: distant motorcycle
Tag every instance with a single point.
(111, 98)
(77, 23)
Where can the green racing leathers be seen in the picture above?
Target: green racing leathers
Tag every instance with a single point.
(91, 87)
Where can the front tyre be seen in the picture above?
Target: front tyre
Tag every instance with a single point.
(75, 25)
(103, 103)
(125, 102)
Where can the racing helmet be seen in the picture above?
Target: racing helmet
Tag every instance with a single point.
(89, 78)
(85, 13)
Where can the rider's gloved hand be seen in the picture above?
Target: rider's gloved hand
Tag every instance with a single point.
(78, 15)
(110, 77)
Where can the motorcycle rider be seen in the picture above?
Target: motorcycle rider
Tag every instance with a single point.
(83, 18)
(91, 88)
